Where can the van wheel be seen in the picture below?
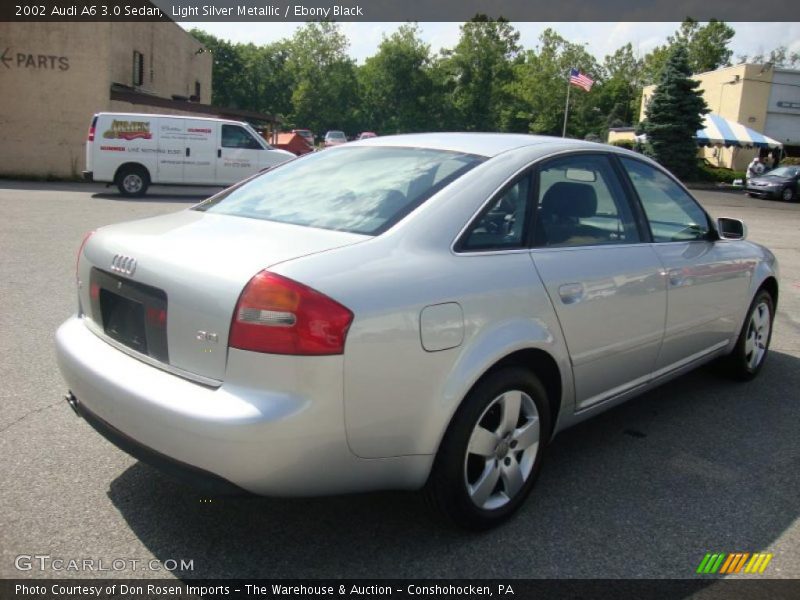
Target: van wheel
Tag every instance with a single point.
(133, 181)
(492, 451)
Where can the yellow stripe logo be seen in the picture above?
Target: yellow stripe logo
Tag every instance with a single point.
(721, 563)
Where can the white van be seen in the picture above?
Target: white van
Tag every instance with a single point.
(134, 150)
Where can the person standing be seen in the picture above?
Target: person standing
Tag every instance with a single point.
(755, 168)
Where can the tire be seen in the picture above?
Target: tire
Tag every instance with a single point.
(751, 195)
(787, 195)
(752, 346)
(133, 181)
(479, 490)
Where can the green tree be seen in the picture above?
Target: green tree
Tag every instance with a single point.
(226, 68)
(674, 115)
(396, 84)
(706, 45)
(476, 73)
(778, 57)
(706, 48)
(247, 76)
(653, 64)
(540, 86)
(325, 89)
(620, 93)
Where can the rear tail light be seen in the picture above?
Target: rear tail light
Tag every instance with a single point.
(277, 315)
(90, 137)
(80, 251)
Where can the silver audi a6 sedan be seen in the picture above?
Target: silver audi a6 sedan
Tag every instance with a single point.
(419, 311)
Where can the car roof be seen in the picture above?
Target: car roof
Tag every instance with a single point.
(482, 144)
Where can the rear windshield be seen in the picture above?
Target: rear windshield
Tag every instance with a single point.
(359, 190)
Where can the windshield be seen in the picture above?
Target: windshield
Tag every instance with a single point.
(335, 135)
(359, 190)
(784, 171)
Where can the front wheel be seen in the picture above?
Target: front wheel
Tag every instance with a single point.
(491, 453)
(750, 352)
(787, 195)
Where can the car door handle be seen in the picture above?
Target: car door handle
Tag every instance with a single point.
(219, 152)
(571, 293)
(188, 152)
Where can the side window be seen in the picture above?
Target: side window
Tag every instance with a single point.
(674, 216)
(581, 203)
(234, 136)
(503, 226)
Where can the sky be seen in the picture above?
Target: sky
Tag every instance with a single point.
(600, 38)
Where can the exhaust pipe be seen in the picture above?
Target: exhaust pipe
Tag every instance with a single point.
(73, 403)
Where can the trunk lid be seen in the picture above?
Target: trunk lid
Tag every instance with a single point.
(193, 266)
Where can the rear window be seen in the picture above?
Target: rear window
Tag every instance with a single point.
(359, 190)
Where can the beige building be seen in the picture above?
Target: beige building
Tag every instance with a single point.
(55, 76)
(761, 97)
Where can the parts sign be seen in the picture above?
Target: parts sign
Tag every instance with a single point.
(29, 60)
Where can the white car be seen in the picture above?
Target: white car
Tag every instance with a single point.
(133, 151)
(420, 311)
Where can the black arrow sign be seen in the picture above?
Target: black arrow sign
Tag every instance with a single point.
(6, 59)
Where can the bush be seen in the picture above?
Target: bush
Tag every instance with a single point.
(627, 144)
(706, 172)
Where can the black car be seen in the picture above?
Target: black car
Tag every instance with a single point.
(778, 183)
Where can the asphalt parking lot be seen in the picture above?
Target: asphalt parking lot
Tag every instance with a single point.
(645, 490)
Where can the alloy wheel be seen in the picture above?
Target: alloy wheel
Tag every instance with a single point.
(758, 328)
(502, 450)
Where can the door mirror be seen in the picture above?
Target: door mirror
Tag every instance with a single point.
(731, 229)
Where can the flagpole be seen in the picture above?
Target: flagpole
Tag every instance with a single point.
(566, 111)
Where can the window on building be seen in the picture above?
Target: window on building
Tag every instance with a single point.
(138, 68)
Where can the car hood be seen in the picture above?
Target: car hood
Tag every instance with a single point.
(770, 179)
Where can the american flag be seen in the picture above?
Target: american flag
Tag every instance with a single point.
(582, 81)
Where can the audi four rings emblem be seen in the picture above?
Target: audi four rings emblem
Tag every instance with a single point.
(123, 264)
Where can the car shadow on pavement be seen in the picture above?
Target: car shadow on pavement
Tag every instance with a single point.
(158, 196)
(699, 465)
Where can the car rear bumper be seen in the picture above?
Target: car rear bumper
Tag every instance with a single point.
(275, 427)
(197, 478)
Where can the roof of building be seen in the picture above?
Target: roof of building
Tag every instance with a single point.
(125, 94)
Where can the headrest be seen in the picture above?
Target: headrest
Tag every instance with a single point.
(570, 199)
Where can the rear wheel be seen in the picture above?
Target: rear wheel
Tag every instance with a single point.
(133, 181)
(750, 353)
(491, 453)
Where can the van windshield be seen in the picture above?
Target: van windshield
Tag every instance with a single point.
(359, 190)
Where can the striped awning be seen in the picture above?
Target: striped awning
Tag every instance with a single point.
(719, 131)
